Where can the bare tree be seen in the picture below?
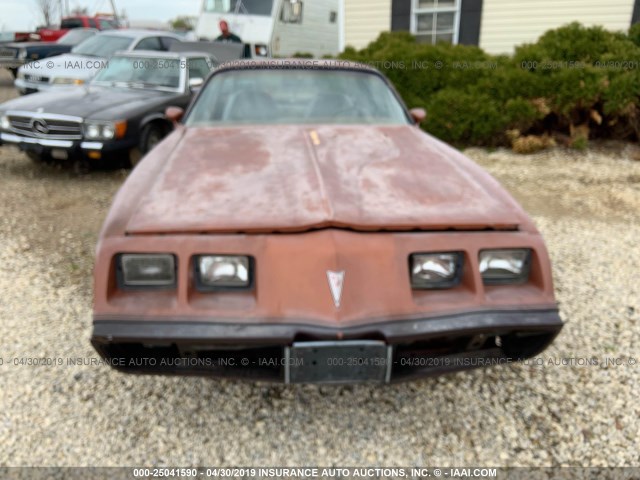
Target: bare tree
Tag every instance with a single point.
(47, 10)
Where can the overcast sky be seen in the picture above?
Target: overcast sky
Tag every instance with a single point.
(19, 15)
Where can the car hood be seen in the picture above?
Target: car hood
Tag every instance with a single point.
(296, 178)
(66, 65)
(99, 103)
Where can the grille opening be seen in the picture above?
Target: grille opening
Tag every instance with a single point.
(439, 355)
(53, 128)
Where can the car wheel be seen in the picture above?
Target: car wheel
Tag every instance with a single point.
(14, 72)
(151, 135)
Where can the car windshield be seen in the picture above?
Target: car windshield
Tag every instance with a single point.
(242, 7)
(75, 36)
(294, 96)
(103, 45)
(141, 72)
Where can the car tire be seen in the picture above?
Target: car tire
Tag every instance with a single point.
(135, 155)
(151, 135)
(14, 72)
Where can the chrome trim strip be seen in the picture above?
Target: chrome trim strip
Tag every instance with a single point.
(7, 137)
(92, 145)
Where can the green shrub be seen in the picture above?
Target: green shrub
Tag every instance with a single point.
(573, 75)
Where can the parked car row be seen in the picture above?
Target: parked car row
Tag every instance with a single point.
(117, 117)
(103, 102)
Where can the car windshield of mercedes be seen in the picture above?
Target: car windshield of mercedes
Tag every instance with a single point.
(141, 72)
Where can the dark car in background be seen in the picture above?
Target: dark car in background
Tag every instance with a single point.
(14, 55)
(115, 119)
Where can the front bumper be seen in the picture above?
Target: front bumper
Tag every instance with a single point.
(418, 347)
(74, 148)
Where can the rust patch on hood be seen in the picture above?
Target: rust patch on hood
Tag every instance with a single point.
(297, 178)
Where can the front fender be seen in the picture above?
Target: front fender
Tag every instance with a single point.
(151, 117)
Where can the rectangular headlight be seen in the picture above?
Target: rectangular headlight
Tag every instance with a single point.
(435, 270)
(224, 271)
(508, 265)
(147, 270)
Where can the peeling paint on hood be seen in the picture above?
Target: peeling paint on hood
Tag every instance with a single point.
(295, 178)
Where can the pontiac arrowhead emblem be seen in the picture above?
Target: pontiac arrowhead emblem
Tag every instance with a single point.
(336, 281)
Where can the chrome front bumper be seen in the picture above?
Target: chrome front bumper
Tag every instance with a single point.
(44, 142)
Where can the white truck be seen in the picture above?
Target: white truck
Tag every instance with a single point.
(278, 28)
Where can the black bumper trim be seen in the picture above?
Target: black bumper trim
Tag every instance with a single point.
(230, 332)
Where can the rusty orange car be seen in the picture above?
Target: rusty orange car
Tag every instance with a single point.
(298, 226)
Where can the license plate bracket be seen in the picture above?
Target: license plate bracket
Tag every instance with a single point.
(347, 361)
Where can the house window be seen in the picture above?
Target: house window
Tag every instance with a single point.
(434, 21)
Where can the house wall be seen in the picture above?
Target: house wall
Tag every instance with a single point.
(364, 20)
(507, 23)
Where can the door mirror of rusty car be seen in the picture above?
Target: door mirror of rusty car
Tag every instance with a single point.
(174, 114)
(418, 115)
(195, 84)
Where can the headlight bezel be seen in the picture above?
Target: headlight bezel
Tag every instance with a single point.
(522, 277)
(204, 287)
(448, 284)
(121, 274)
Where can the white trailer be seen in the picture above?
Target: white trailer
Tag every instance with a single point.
(278, 28)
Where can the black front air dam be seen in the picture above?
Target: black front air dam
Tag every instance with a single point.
(421, 347)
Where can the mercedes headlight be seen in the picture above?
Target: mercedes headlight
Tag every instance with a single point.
(435, 270)
(502, 266)
(104, 130)
(223, 271)
(147, 270)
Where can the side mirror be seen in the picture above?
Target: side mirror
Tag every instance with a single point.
(418, 115)
(195, 83)
(174, 114)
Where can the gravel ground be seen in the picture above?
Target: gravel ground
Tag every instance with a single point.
(586, 204)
